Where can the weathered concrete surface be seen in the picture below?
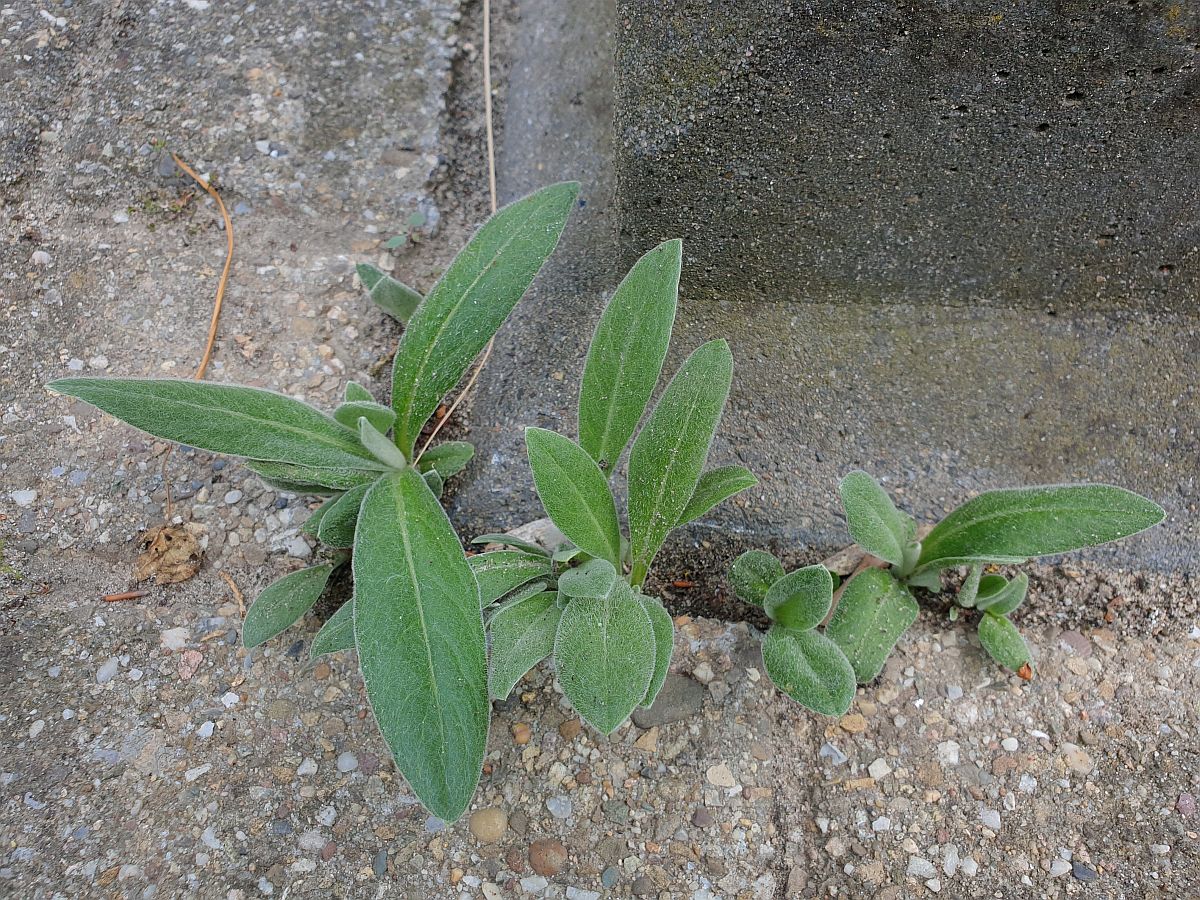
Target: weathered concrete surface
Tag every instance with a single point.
(956, 247)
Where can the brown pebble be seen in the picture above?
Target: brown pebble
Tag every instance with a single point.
(488, 825)
(547, 856)
(703, 819)
(521, 733)
(570, 729)
(328, 851)
(321, 672)
(515, 860)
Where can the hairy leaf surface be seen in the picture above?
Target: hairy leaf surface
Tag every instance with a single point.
(394, 297)
(574, 493)
(810, 669)
(604, 656)
(381, 417)
(501, 571)
(420, 639)
(669, 452)
(470, 302)
(1011, 526)
(337, 525)
(874, 522)
(714, 487)
(282, 603)
(222, 418)
(309, 479)
(999, 596)
(594, 580)
(752, 575)
(509, 541)
(1002, 641)
(522, 635)
(664, 645)
(875, 609)
(336, 634)
(800, 599)
(447, 459)
(626, 355)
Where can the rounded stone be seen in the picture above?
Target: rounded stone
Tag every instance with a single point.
(547, 856)
(488, 825)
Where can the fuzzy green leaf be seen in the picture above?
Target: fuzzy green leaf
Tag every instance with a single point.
(447, 459)
(999, 596)
(670, 451)
(282, 603)
(501, 571)
(355, 393)
(1011, 526)
(604, 656)
(522, 635)
(1002, 641)
(336, 634)
(381, 417)
(594, 580)
(394, 297)
(470, 302)
(874, 522)
(420, 639)
(309, 479)
(800, 599)
(337, 525)
(810, 669)
(436, 485)
(664, 645)
(312, 525)
(222, 418)
(509, 541)
(752, 575)
(574, 493)
(930, 580)
(970, 588)
(874, 611)
(379, 446)
(626, 355)
(714, 487)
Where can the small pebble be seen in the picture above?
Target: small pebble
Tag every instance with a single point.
(23, 498)
(720, 776)
(1059, 868)
(948, 753)
(1011, 745)
(108, 671)
(232, 497)
(1083, 872)
(547, 857)
(347, 761)
(919, 867)
(560, 806)
(990, 818)
(306, 768)
(488, 825)
(879, 769)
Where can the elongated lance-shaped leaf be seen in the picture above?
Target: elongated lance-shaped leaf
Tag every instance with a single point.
(470, 302)
(810, 669)
(874, 611)
(509, 541)
(626, 355)
(336, 634)
(522, 635)
(225, 418)
(800, 599)
(309, 479)
(1002, 641)
(999, 596)
(669, 452)
(594, 580)
(752, 575)
(604, 656)
(282, 603)
(715, 486)
(525, 590)
(337, 525)
(446, 459)
(664, 646)
(501, 571)
(1011, 526)
(970, 588)
(394, 297)
(435, 482)
(313, 523)
(379, 446)
(420, 639)
(874, 522)
(381, 417)
(574, 493)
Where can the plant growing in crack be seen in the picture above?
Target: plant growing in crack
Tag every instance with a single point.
(415, 615)
(819, 669)
(581, 604)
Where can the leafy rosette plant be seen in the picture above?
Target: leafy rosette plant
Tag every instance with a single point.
(581, 604)
(415, 614)
(1005, 527)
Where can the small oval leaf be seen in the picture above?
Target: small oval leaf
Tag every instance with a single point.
(875, 609)
(522, 634)
(394, 297)
(810, 669)
(594, 580)
(1000, 596)
(336, 634)
(1002, 641)
(447, 459)
(874, 522)
(800, 599)
(752, 575)
(381, 417)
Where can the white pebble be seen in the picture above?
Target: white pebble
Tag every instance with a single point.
(40, 258)
(879, 769)
(206, 729)
(327, 815)
(120, 217)
(209, 837)
(883, 823)
(193, 774)
(108, 671)
(990, 818)
(1010, 744)
(1027, 784)
(229, 699)
(308, 767)
(947, 753)
(36, 728)
(174, 638)
(968, 866)
(919, 867)
(1160, 849)
(232, 497)
(134, 674)
(347, 761)
(1059, 867)
(23, 498)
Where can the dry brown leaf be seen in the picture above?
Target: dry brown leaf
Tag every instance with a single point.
(172, 553)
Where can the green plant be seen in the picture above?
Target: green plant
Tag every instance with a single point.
(415, 615)
(582, 604)
(1005, 527)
